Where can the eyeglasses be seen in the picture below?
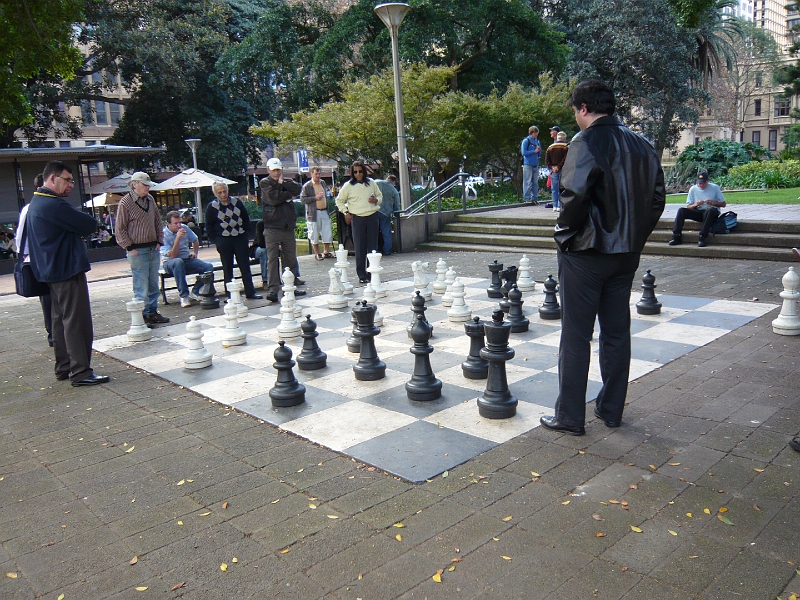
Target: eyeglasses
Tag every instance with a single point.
(67, 179)
(357, 172)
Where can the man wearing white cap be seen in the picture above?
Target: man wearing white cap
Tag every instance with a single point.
(140, 232)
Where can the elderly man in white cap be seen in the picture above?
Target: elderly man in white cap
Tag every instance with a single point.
(140, 232)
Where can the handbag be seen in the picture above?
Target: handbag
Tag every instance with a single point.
(26, 283)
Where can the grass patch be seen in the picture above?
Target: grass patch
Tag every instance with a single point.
(778, 196)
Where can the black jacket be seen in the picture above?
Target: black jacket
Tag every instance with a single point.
(612, 190)
(277, 201)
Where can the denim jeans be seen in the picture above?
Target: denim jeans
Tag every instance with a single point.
(144, 266)
(385, 223)
(530, 183)
(180, 267)
(555, 179)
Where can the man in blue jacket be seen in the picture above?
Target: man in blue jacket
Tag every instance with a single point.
(531, 150)
(58, 257)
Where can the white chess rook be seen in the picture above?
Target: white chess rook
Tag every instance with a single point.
(788, 321)
(235, 287)
(375, 269)
(525, 282)
(342, 263)
(459, 311)
(439, 286)
(196, 357)
(139, 332)
(336, 297)
(447, 297)
(232, 335)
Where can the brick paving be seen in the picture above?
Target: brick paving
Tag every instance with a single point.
(93, 477)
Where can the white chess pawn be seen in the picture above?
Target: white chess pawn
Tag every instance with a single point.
(289, 327)
(196, 357)
(342, 263)
(421, 282)
(439, 286)
(139, 332)
(447, 297)
(232, 335)
(336, 297)
(788, 321)
(375, 269)
(525, 282)
(370, 297)
(235, 287)
(459, 311)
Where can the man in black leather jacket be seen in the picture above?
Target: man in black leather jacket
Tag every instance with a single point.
(612, 197)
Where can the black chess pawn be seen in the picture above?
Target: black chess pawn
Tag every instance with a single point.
(649, 304)
(208, 291)
(287, 391)
(369, 367)
(475, 367)
(311, 357)
(494, 287)
(417, 308)
(423, 385)
(519, 322)
(353, 342)
(497, 401)
(550, 309)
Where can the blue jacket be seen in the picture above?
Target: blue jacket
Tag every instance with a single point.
(54, 229)
(529, 155)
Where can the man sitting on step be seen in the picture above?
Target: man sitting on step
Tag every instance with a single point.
(702, 204)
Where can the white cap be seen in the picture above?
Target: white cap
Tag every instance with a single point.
(274, 163)
(142, 177)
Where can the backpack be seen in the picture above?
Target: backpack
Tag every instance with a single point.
(725, 223)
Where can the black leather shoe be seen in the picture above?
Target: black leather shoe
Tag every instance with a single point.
(553, 425)
(608, 423)
(62, 376)
(299, 292)
(92, 380)
(155, 318)
(255, 297)
(272, 297)
(676, 240)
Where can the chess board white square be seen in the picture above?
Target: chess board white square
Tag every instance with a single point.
(464, 417)
(345, 383)
(348, 424)
(695, 335)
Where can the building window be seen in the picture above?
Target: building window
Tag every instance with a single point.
(773, 139)
(781, 107)
(757, 138)
(757, 108)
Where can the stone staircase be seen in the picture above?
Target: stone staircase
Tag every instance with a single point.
(491, 231)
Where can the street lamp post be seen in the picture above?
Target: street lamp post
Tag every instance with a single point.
(392, 15)
(193, 143)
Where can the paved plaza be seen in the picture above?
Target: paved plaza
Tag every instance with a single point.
(144, 488)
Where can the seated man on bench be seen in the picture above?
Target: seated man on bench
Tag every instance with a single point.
(179, 259)
(702, 204)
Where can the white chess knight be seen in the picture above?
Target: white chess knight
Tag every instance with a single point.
(421, 282)
(232, 335)
(788, 321)
(525, 282)
(196, 357)
(447, 297)
(139, 332)
(375, 269)
(342, 263)
(235, 287)
(289, 327)
(371, 298)
(459, 311)
(336, 297)
(439, 286)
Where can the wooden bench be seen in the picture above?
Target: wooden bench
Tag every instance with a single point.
(190, 279)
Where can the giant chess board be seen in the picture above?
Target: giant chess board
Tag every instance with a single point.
(374, 421)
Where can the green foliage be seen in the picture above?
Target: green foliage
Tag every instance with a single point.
(718, 156)
(767, 174)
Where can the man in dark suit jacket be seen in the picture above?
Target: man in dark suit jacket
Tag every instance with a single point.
(58, 257)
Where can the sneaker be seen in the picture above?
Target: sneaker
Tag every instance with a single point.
(185, 302)
(155, 318)
(701, 243)
(676, 240)
(195, 297)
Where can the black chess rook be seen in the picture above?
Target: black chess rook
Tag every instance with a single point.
(475, 367)
(311, 357)
(497, 401)
(494, 286)
(649, 304)
(369, 367)
(550, 309)
(287, 390)
(423, 385)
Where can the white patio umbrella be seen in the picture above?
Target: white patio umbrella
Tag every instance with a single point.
(116, 185)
